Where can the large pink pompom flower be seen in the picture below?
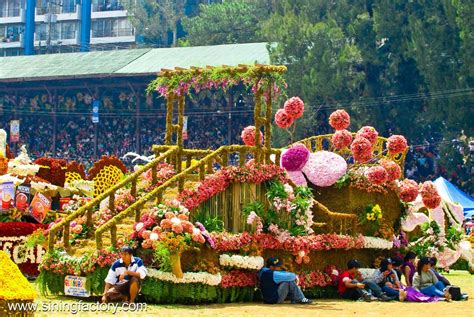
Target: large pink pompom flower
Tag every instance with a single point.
(369, 133)
(294, 107)
(248, 136)
(377, 175)
(295, 158)
(339, 119)
(361, 150)
(429, 194)
(297, 177)
(283, 120)
(393, 169)
(408, 190)
(396, 144)
(324, 168)
(341, 139)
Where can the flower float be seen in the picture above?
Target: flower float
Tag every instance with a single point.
(324, 168)
(361, 149)
(429, 194)
(14, 286)
(295, 158)
(339, 119)
(377, 175)
(369, 133)
(188, 277)
(294, 107)
(248, 136)
(283, 120)
(396, 144)
(408, 190)
(242, 262)
(393, 169)
(341, 139)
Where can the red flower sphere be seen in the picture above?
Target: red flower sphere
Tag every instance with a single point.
(294, 107)
(408, 190)
(393, 169)
(339, 119)
(377, 175)
(361, 150)
(369, 133)
(341, 139)
(396, 144)
(248, 136)
(429, 194)
(283, 119)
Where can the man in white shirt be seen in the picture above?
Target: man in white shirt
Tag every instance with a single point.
(124, 278)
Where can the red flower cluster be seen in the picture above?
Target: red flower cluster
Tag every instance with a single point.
(17, 229)
(341, 139)
(369, 133)
(225, 242)
(53, 170)
(339, 119)
(294, 107)
(396, 144)
(429, 194)
(283, 120)
(393, 169)
(377, 175)
(78, 266)
(248, 135)
(361, 149)
(408, 190)
(219, 181)
(313, 279)
(238, 278)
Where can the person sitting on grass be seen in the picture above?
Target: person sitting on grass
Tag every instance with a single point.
(350, 286)
(386, 277)
(426, 281)
(397, 266)
(124, 278)
(408, 267)
(439, 276)
(277, 285)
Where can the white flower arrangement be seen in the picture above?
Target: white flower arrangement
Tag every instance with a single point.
(242, 262)
(377, 243)
(189, 277)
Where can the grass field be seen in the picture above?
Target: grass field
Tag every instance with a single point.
(319, 308)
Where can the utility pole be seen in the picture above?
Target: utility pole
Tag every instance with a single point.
(48, 41)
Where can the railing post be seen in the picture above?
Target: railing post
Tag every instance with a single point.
(225, 158)
(89, 223)
(66, 234)
(51, 241)
(242, 157)
(133, 191)
(112, 202)
(202, 171)
(113, 235)
(98, 240)
(154, 179)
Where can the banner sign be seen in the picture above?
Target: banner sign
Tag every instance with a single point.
(7, 195)
(185, 127)
(40, 206)
(75, 286)
(12, 238)
(95, 111)
(14, 131)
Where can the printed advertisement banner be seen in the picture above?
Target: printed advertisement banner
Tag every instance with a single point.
(15, 131)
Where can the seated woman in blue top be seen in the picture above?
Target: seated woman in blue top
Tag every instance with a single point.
(277, 285)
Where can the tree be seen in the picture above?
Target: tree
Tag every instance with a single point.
(224, 23)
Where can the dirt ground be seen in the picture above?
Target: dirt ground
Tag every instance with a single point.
(319, 308)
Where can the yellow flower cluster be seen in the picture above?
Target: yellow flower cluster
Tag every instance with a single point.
(375, 214)
(13, 285)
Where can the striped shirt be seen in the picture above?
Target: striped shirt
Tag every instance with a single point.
(118, 268)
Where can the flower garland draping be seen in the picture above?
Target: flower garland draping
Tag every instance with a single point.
(219, 181)
(59, 262)
(242, 262)
(188, 277)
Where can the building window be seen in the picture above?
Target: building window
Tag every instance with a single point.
(107, 5)
(57, 7)
(59, 31)
(10, 33)
(10, 8)
(111, 28)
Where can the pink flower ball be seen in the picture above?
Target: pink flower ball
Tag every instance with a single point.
(341, 139)
(248, 136)
(396, 144)
(369, 133)
(295, 158)
(429, 194)
(283, 120)
(339, 119)
(361, 149)
(324, 168)
(294, 107)
(431, 202)
(408, 190)
(393, 169)
(377, 175)
(297, 177)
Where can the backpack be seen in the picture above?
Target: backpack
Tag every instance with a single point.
(455, 292)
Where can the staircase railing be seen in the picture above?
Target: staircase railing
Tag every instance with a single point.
(88, 209)
(203, 167)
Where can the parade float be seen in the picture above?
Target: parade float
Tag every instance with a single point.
(204, 220)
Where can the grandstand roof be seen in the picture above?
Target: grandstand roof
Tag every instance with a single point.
(133, 62)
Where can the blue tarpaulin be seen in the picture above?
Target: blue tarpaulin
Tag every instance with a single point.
(449, 192)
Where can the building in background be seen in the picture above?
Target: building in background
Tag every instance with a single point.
(58, 26)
